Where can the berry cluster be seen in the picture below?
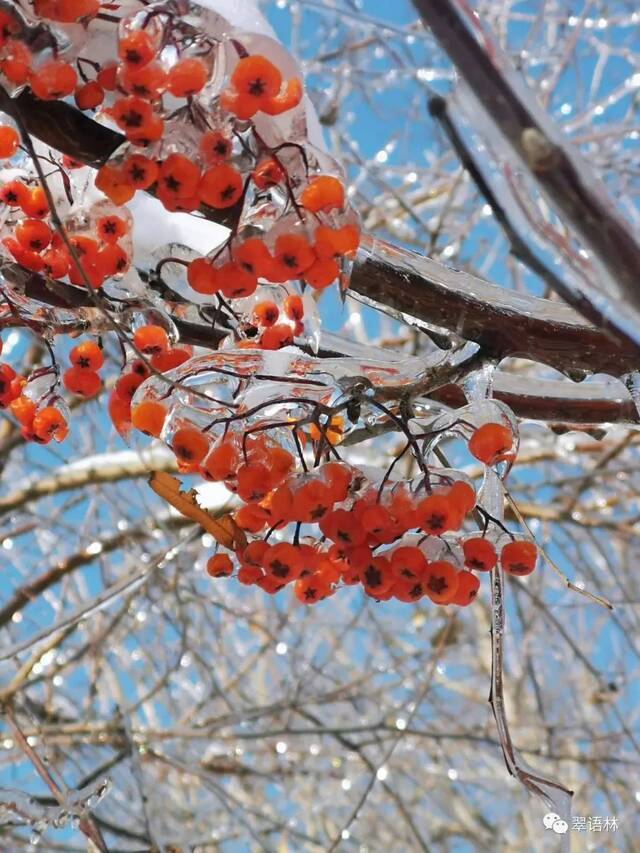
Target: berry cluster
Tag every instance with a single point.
(400, 539)
(214, 120)
(394, 542)
(38, 422)
(93, 255)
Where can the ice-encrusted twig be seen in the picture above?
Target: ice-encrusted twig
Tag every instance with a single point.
(553, 793)
(129, 583)
(560, 172)
(68, 800)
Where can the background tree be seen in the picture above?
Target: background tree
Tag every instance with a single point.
(152, 707)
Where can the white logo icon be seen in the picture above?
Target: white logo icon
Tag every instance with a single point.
(553, 821)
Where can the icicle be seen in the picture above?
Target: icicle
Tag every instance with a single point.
(632, 381)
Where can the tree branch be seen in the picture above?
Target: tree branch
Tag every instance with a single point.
(577, 195)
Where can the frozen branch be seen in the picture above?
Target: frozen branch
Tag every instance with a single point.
(577, 195)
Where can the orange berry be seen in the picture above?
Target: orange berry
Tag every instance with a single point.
(339, 478)
(312, 501)
(479, 554)
(332, 242)
(323, 193)
(111, 228)
(55, 263)
(276, 337)
(33, 234)
(249, 575)
(136, 48)
(147, 82)
(171, 358)
(251, 517)
(491, 443)
(294, 307)
(281, 462)
(221, 463)
(254, 257)
(67, 11)
(340, 527)
(408, 563)
(179, 176)
(407, 591)
(83, 383)
(321, 274)
(25, 257)
(53, 80)
(256, 77)
(187, 77)
(7, 375)
(112, 260)
(190, 445)
(287, 99)
(14, 193)
(219, 566)
(148, 132)
(267, 173)
(87, 356)
(86, 274)
(127, 385)
(140, 171)
(120, 413)
(244, 107)
(115, 184)
(519, 557)
(253, 481)
(280, 504)
(254, 553)
(131, 113)
(107, 77)
(89, 96)
(435, 515)
(283, 562)
(266, 313)
(462, 496)
(311, 589)
(151, 339)
(138, 367)
(8, 25)
(220, 186)
(23, 410)
(468, 586)
(270, 585)
(236, 282)
(86, 248)
(172, 203)
(35, 203)
(148, 417)
(293, 255)
(16, 64)
(203, 277)
(215, 147)
(9, 141)
(441, 581)
(376, 576)
(50, 423)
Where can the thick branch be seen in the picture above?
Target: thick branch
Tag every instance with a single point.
(108, 468)
(578, 197)
(560, 402)
(503, 323)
